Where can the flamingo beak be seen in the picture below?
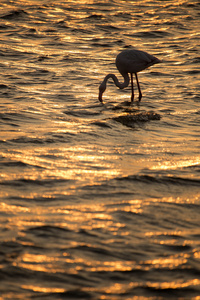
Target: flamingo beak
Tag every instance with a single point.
(100, 96)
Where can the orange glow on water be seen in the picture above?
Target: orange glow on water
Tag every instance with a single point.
(43, 289)
(83, 197)
(174, 164)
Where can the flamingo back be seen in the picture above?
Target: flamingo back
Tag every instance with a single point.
(133, 61)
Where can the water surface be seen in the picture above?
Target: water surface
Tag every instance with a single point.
(92, 207)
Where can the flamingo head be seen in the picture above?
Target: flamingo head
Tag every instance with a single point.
(102, 89)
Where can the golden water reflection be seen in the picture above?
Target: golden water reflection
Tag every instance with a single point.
(52, 154)
(92, 217)
(119, 288)
(82, 163)
(41, 289)
(175, 163)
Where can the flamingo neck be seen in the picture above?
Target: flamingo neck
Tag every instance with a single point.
(116, 81)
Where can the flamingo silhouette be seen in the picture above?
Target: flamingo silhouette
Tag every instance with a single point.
(129, 61)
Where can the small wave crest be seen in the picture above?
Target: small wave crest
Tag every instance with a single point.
(14, 14)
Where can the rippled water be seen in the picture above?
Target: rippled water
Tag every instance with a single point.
(99, 201)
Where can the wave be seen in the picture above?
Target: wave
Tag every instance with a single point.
(4, 86)
(14, 164)
(141, 187)
(48, 230)
(54, 138)
(82, 113)
(148, 179)
(95, 17)
(15, 14)
(35, 182)
(151, 34)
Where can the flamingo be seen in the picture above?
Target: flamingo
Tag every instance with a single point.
(129, 61)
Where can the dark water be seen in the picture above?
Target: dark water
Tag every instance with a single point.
(99, 201)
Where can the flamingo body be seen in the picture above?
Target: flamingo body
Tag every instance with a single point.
(129, 62)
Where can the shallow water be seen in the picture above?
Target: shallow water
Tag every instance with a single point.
(99, 201)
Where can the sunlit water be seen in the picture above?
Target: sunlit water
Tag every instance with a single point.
(92, 207)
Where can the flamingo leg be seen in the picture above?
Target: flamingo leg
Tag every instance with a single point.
(132, 88)
(138, 85)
